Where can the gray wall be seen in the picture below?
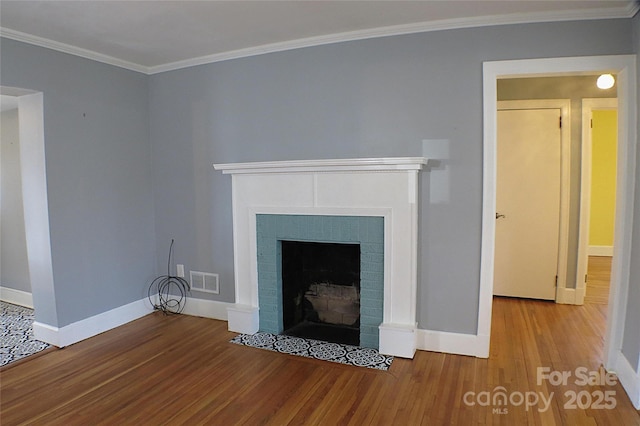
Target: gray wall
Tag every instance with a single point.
(105, 127)
(377, 97)
(575, 89)
(14, 267)
(631, 341)
(98, 161)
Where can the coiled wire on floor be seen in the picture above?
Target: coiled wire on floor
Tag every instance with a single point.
(170, 291)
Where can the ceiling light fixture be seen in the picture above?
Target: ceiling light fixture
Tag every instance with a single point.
(605, 81)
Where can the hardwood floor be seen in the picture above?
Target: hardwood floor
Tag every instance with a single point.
(181, 370)
(598, 280)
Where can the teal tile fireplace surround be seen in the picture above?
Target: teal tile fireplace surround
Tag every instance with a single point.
(367, 231)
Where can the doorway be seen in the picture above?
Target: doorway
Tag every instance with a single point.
(596, 251)
(624, 66)
(26, 255)
(36, 210)
(15, 286)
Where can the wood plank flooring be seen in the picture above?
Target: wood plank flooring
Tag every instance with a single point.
(177, 370)
(598, 280)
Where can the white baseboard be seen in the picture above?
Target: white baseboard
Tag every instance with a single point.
(566, 296)
(397, 340)
(600, 251)
(17, 297)
(92, 326)
(629, 378)
(105, 321)
(207, 308)
(570, 296)
(46, 333)
(453, 343)
(426, 340)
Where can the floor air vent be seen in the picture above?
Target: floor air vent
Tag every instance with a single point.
(204, 282)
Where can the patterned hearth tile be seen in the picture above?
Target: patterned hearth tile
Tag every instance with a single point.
(16, 328)
(309, 348)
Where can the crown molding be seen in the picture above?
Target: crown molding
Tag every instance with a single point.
(447, 24)
(633, 8)
(70, 49)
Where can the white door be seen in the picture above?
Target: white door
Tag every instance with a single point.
(528, 203)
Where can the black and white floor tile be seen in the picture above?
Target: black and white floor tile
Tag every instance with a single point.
(16, 326)
(334, 352)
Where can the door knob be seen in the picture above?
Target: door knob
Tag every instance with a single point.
(499, 215)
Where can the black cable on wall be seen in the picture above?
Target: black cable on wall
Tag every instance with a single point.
(171, 291)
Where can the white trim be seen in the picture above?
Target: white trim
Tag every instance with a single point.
(35, 202)
(393, 30)
(72, 50)
(490, 74)
(625, 67)
(207, 308)
(569, 296)
(46, 333)
(91, 326)
(600, 251)
(398, 339)
(627, 11)
(564, 105)
(243, 318)
(625, 197)
(17, 297)
(325, 166)
(406, 339)
(453, 343)
(629, 378)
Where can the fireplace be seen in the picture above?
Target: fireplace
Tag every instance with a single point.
(370, 202)
(321, 291)
(277, 232)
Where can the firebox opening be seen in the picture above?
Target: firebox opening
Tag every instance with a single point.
(321, 291)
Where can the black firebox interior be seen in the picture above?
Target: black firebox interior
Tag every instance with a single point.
(308, 263)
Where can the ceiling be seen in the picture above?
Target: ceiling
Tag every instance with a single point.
(155, 36)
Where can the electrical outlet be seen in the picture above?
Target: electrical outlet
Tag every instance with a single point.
(180, 270)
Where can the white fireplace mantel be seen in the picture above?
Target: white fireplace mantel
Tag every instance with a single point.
(325, 166)
(386, 187)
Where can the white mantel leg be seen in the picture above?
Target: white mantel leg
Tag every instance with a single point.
(243, 319)
(398, 340)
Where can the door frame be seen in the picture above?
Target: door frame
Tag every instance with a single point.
(564, 105)
(625, 67)
(588, 105)
(36, 206)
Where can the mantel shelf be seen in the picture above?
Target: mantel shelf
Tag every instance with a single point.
(319, 166)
